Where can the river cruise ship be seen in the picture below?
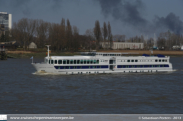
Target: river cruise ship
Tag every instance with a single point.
(99, 62)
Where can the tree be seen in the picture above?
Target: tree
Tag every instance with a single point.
(24, 31)
(76, 40)
(110, 38)
(69, 35)
(97, 33)
(105, 33)
(42, 32)
(90, 38)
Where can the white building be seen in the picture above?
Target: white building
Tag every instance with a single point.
(6, 19)
(123, 45)
(32, 45)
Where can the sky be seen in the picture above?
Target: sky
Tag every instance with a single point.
(127, 17)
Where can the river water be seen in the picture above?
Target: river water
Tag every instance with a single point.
(22, 91)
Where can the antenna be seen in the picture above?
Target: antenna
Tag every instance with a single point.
(48, 49)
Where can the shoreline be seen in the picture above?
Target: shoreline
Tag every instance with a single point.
(28, 54)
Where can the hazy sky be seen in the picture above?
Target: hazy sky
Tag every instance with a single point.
(128, 17)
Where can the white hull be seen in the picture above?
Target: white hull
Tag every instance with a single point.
(104, 63)
(45, 68)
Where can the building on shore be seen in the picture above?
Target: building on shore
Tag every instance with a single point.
(32, 45)
(122, 45)
(6, 20)
(9, 45)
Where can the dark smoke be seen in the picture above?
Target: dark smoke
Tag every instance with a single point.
(124, 10)
(171, 22)
(131, 13)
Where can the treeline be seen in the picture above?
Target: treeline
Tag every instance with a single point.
(64, 37)
(61, 37)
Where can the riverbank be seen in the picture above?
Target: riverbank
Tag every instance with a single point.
(28, 54)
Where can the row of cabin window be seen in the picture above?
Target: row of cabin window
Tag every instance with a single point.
(80, 67)
(109, 54)
(74, 62)
(145, 60)
(141, 66)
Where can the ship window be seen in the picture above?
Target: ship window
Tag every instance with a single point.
(165, 60)
(64, 61)
(132, 60)
(81, 61)
(84, 61)
(74, 61)
(51, 61)
(136, 60)
(156, 60)
(78, 61)
(55, 61)
(159, 60)
(94, 61)
(91, 61)
(59, 61)
(128, 60)
(162, 60)
(97, 61)
(71, 61)
(88, 61)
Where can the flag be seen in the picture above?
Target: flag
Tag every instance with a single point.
(31, 57)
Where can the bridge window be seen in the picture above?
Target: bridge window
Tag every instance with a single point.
(78, 61)
(91, 61)
(64, 61)
(81, 61)
(71, 61)
(97, 61)
(59, 61)
(88, 61)
(94, 61)
(55, 61)
(84, 61)
(74, 61)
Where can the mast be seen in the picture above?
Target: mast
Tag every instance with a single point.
(48, 49)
